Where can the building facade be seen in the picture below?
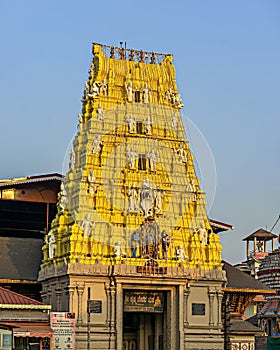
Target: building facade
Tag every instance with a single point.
(131, 251)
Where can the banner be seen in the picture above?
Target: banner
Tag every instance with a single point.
(63, 325)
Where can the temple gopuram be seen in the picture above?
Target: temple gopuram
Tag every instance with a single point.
(131, 250)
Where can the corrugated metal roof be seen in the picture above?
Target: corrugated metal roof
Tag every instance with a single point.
(9, 297)
(30, 179)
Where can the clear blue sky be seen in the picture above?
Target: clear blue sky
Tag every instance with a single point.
(227, 59)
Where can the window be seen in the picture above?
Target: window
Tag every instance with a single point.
(139, 127)
(137, 96)
(142, 162)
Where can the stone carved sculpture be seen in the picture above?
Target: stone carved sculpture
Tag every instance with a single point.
(165, 243)
(133, 201)
(100, 113)
(63, 197)
(72, 159)
(50, 240)
(158, 200)
(147, 197)
(174, 121)
(153, 158)
(88, 226)
(148, 125)
(96, 145)
(191, 190)
(92, 188)
(132, 155)
(103, 88)
(203, 234)
(94, 91)
(131, 124)
(182, 154)
(129, 92)
(180, 253)
(146, 93)
(118, 252)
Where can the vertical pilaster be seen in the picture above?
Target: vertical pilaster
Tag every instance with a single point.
(186, 306)
(58, 293)
(80, 290)
(71, 291)
(211, 294)
(119, 317)
(220, 299)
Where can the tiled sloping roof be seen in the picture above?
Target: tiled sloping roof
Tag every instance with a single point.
(240, 280)
(12, 298)
(240, 326)
(261, 234)
(30, 179)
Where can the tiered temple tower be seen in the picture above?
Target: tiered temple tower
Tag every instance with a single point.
(131, 241)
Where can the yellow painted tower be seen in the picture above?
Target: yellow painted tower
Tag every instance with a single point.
(131, 214)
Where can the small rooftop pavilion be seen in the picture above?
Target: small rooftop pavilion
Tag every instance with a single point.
(259, 239)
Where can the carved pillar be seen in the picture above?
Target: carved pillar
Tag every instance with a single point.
(211, 294)
(80, 290)
(220, 299)
(50, 296)
(113, 303)
(181, 318)
(58, 293)
(119, 316)
(186, 307)
(107, 291)
(71, 291)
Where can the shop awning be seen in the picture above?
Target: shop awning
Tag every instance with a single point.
(35, 330)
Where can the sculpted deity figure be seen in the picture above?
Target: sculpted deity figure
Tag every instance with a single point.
(131, 124)
(81, 121)
(133, 204)
(147, 197)
(177, 101)
(158, 199)
(91, 182)
(169, 94)
(146, 93)
(103, 88)
(96, 145)
(63, 197)
(182, 154)
(118, 252)
(72, 159)
(148, 125)
(203, 234)
(153, 158)
(191, 190)
(50, 239)
(131, 157)
(135, 242)
(165, 243)
(100, 113)
(129, 91)
(92, 69)
(87, 226)
(174, 121)
(180, 253)
(94, 91)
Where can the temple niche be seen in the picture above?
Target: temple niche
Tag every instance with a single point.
(132, 231)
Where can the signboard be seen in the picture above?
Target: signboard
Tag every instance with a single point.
(63, 325)
(198, 309)
(95, 306)
(143, 301)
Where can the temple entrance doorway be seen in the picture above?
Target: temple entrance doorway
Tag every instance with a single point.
(143, 331)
